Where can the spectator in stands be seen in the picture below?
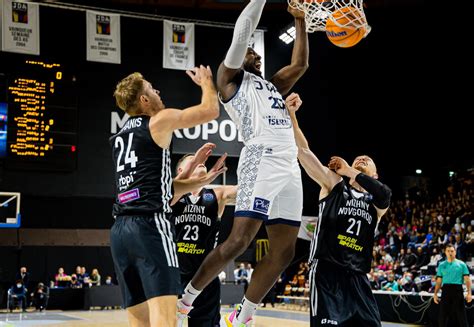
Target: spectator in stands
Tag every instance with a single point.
(435, 257)
(79, 276)
(24, 275)
(61, 279)
(422, 258)
(18, 293)
(241, 275)
(442, 237)
(460, 247)
(451, 274)
(94, 279)
(85, 277)
(249, 271)
(40, 296)
(108, 281)
(75, 283)
(222, 276)
(391, 284)
(408, 284)
(469, 240)
(409, 260)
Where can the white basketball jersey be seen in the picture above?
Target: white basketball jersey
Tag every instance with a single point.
(259, 112)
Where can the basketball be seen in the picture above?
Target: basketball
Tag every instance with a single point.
(349, 35)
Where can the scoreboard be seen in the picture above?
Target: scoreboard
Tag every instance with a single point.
(38, 116)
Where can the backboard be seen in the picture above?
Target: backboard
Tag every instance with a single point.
(10, 210)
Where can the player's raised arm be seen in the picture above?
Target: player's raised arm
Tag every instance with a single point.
(166, 121)
(228, 73)
(286, 77)
(311, 164)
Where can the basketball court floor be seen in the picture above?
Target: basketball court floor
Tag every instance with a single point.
(118, 318)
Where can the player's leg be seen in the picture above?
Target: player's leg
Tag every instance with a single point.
(243, 232)
(206, 312)
(363, 300)
(329, 301)
(282, 239)
(282, 228)
(162, 310)
(138, 315)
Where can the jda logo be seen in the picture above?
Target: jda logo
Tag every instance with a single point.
(226, 129)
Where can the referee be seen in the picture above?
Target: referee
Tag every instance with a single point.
(451, 274)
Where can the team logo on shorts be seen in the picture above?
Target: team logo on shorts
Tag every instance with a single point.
(208, 197)
(261, 205)
(325, 321)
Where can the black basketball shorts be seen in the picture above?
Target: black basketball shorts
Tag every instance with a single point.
(341, 297)
(144, 254)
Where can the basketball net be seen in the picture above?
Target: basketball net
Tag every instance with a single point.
(318, 11)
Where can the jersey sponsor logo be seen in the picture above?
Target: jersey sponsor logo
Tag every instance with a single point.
(124, 181)
(278, 122)
(326, 321)
(129, 196)
(208, 197)
(189, 248)
(261, 205)
(349, 242)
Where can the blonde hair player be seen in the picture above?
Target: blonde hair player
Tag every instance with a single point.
(141, 238)
(269, 177)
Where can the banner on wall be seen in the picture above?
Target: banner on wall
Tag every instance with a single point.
(103, 37)
(20, 27)
(178, 45)
(257, 43)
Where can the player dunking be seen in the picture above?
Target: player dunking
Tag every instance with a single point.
(341, 249)
(196, 218)
(142, 237)
(269, 178)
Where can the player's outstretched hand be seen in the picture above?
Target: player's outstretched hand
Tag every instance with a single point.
(293, 102)
(339, 165)
(200, 75)
(201, 155)
(218, 168)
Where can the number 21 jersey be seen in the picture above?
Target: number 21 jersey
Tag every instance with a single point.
(142, 170)
(346, 228)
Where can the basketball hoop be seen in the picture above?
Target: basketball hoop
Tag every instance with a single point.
(318, 11)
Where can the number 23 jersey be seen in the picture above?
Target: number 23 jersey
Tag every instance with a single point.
(346, 228)
(142, 170)
(196, 223)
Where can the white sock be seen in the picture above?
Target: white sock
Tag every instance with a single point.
(246, 310)
(190, 294)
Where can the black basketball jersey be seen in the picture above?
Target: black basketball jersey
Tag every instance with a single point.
(196, 227)
(142, 170)
(346, 228)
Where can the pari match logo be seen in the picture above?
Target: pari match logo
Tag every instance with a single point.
(103, 24)
(20, 12)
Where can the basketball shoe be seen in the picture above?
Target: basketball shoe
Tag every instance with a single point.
(230, 320)
(182, 312)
